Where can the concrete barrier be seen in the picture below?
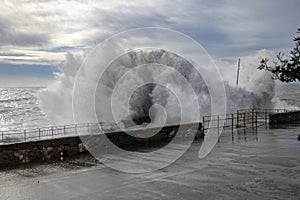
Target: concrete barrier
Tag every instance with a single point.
(54, 149)
(285, 118)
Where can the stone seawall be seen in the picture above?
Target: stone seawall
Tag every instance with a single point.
(54, 149)
(43, 150)
(285, 118)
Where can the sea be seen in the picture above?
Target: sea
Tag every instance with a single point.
(19, 107)
(290, 94)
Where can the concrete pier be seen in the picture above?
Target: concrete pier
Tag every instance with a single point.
(54, 149)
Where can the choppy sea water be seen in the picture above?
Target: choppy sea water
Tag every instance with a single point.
(19, 107)
(289, 93)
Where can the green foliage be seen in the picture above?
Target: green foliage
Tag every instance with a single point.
(285, 69)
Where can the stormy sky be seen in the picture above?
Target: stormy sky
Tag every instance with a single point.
(35, 35)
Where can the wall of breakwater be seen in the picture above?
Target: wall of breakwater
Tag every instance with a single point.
(285, 118)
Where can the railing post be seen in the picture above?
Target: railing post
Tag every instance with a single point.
(265, 116)
(232, 121)
(244, 115)
(218, 126)
(76, 129)
(252, 117)
(237, 118)
(203, 123)
(52, 131)
(39, 133)
(64, 130)
(2, 136)
(256, 119)
(24, 135)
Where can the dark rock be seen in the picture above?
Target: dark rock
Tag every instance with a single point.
(285, 118)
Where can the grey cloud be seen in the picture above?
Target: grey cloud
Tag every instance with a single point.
(22, 39)
(224, 27)
(10, 34)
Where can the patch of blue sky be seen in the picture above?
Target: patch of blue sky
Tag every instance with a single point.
(41, 71)
(13, 54)
(65, 49)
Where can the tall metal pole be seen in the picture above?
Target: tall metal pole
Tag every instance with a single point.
(238, 72)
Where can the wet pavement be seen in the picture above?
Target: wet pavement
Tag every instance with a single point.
(261, 163)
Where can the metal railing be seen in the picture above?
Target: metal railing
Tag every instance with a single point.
(242, 118)
(13, 136)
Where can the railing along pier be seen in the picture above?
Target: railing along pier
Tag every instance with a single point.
(242, 118)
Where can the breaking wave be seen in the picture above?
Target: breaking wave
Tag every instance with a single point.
(56, 100)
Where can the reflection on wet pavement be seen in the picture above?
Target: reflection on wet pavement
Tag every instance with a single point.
(260, 163)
